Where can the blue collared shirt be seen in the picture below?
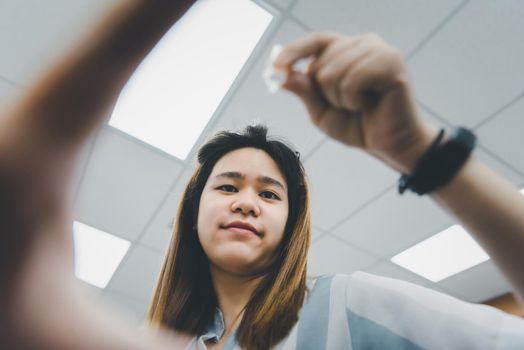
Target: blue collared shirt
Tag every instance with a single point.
(363, 311)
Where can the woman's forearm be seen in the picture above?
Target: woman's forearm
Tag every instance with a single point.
(73, 98)
(492, 210)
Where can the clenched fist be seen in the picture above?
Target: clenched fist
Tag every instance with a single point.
(356, 90)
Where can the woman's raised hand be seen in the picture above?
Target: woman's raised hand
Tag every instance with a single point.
(356, 90)
(40, 138)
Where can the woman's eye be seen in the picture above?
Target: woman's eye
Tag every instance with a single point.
(269, 195)
(227, 188)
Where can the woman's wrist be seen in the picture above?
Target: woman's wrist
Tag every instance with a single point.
(405, 161)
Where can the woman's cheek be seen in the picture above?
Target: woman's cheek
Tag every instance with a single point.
(279, 223)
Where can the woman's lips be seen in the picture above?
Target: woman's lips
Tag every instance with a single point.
(241, 230)
(241, 227)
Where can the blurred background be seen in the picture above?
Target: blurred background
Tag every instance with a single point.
(465, 61)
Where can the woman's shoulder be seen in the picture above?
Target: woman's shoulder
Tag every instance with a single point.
(327, 288)
(360, 278)
(329, 279)
(350, 288)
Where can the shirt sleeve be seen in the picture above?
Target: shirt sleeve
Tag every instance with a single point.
(388, 313)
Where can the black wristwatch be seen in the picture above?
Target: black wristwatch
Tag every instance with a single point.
(440, 163)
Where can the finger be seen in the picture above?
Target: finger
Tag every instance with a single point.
(370, 78)
(338, 124)
(342, 126)
(306, 89)
(334, 50)
(330, 75)
(311, 44)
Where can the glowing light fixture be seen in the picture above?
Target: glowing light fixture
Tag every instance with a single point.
(177, 88)
(97, 254)
(442, 255)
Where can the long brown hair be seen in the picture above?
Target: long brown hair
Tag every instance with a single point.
(184, 299)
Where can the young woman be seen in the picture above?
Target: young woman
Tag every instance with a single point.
(357, 92)
(240, 244)
(235, 273)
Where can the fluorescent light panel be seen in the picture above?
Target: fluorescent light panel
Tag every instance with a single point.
(177, 88)
(97, 254)
(442, 255)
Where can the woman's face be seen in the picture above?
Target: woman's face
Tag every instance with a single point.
(243, 212)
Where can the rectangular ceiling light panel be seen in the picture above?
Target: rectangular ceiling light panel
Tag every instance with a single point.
(97, 254)
(177, 88)
(442, 255)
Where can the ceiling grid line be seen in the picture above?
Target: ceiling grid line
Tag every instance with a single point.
(439, 228)
(85, 165)
(139, 142)
(314, 149)
(11, 82)
(321, 233)
(298, 22)
(360, 208)
(505, 106)
(132, 248)
(291, 6)
(501, 160)
(434, 114)
(435, 31)
(161, 204)
(352, 245)
(150, 247)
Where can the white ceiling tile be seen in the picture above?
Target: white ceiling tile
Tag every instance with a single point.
(473, 65)
(137, 276)
(393, 223)
(133, 310)
(8, 93)
(283, 113)
(342, 179)
(316, 234)
(329, 255)
(478, 284)
(403, 23)
(123, 184)
(35, 33)
(159, 231)
(503, 135)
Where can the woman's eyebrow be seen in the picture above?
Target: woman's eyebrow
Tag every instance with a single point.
(262, 179)
(270, 181)
(231, 175)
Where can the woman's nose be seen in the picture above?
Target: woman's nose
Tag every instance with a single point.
(246, 205)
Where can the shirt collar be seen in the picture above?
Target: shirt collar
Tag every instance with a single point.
(216, 329)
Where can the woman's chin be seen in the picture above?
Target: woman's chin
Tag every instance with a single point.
(237, 263)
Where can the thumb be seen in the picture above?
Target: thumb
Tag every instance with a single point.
(307, 90)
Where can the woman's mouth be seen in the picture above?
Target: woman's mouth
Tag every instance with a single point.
(242, 228)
